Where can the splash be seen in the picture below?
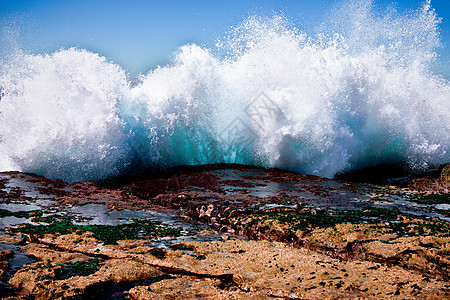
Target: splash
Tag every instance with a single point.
(357, 93)
(59, 117)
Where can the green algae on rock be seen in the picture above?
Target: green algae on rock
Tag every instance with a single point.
(430, 198)
(109, 234)
(77, 268)
(20, 214)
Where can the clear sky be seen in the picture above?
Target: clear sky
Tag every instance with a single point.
(141, 34)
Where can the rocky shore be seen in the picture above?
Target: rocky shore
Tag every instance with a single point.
(225, 232)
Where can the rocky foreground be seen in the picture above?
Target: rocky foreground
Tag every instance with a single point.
(225, 232)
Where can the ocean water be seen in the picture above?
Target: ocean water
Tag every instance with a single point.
(359, 90)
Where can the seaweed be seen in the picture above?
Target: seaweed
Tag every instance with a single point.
(405, 225)
(324, 219)
(109, 234)
(433, 198)
(78, 268)
(20, 214)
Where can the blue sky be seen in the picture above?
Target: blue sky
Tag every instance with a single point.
(140, 34)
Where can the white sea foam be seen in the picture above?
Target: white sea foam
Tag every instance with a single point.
(358, 93)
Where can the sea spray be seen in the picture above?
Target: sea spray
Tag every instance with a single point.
(357, 92)
(58, 114)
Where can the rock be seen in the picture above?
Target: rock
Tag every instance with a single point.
(6, 254)
(9, 239)
(81, 287)
(376, 174)
(444, 174)
(424, 254)
(265, 269)
(32, 276)
(4, 265)
(186, 287)
(40, 281)
(122, 270)
(435, 182)
(45, 253)
(312, 238)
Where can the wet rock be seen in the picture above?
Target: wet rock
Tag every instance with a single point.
(150, 188)
(88, 192)
(444, 176)
(4, 265)
(378, 174)
(434, 182)
(10, 239)
(402, 175)
(6, 254)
